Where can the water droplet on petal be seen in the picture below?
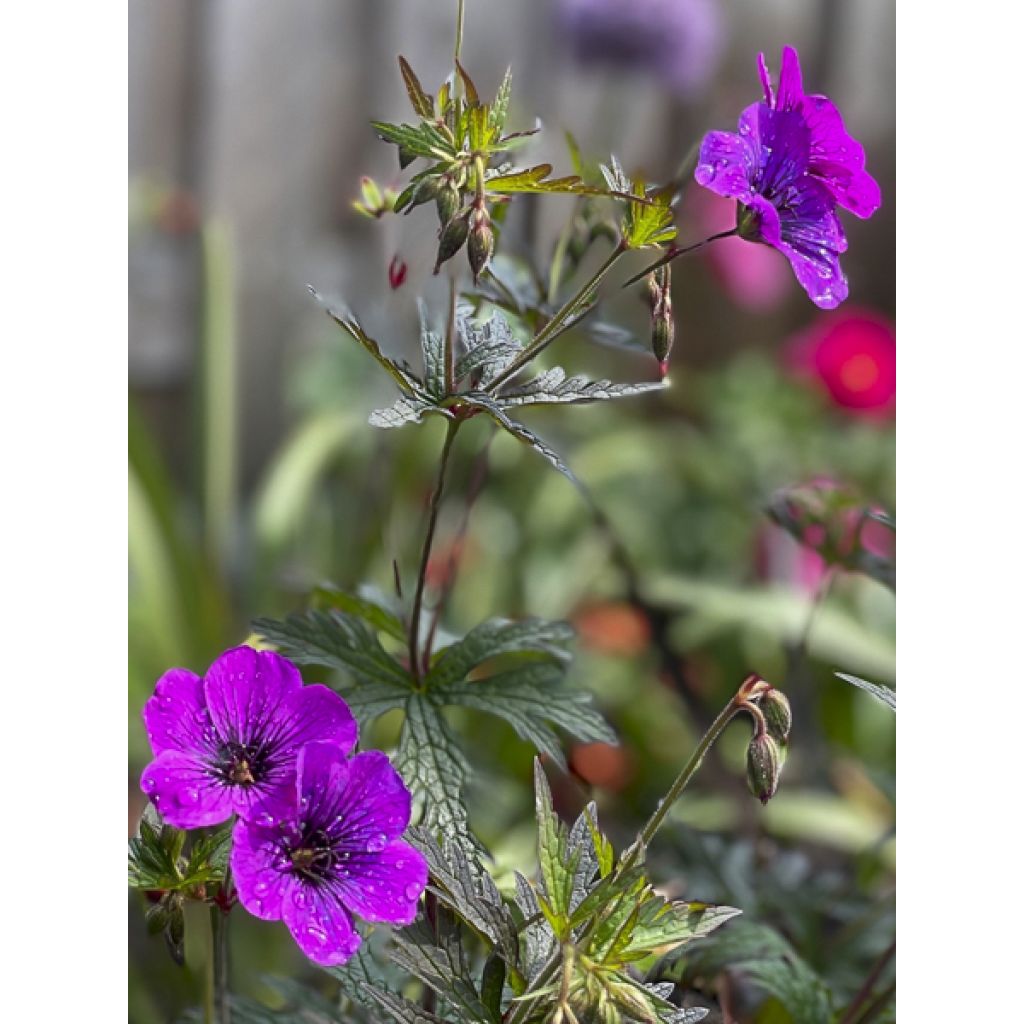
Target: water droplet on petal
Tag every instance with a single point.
(377, 843)
(412, 891)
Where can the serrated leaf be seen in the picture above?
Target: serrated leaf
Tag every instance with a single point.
(553, 388)
(405, 410)
(336, 640)
(365, 973)
(489, 348)
(557, 862)
(154, 854)
(538, 638)
(432, 345)
(437, 957)
(401, 1009)
(400, 373)
(530, 697)
(662, 925)
(472, 96)
(877, 690)
(499, 109)
(649, 223)
(492, 407)
(461, 883)
(422, 102)
(539, 939)
(422, 140)
(536, 180)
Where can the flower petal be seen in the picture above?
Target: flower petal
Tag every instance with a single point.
(369, 810)
(184, 792)
(316, 713)
(726, 165)
(176, 716)
(766, 80)
(791, 86)
(259, 867)
(838, 159)
(245, 689)
(320, 925)
(385, 885)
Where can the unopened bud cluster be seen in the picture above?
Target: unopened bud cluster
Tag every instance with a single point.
(773, 720)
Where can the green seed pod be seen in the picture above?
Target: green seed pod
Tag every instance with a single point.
(778, 716)
(448, 201)
(765, 757)
(453, 238)
(481, 242)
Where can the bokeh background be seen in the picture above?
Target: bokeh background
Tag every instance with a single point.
(253, 474)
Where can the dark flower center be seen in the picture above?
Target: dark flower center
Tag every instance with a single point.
(242, 765)
(316, 858)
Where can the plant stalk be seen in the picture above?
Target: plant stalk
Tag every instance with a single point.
(549, 331)
(673, 253)
(862, 996)
(428, 543)
(218, 1010)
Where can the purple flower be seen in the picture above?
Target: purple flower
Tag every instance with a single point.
(680, 41)
(232, 738)
(329, 848)
(791, 165)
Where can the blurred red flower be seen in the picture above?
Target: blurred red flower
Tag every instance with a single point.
(853, 355)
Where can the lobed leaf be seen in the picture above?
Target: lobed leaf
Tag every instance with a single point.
(404, 411)
(877, 690)
(422, 102)
(553, 388)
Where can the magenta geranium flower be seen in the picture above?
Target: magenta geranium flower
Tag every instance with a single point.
(790, 166)
(329, 849)
(225, 741)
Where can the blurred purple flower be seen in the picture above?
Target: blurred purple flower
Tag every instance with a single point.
(329, 848)
(789, 167)
(225, 741)
(680, 41)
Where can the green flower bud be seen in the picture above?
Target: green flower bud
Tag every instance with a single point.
(405, 157)
(778, 717)
(426, 191)
(765, 757)
(448, 201)
(453, 238)
(632, 1001)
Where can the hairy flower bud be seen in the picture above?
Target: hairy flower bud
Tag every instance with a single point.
(481, 240)
(426, 191)
(765, 757)
(453, 238)
(448, 201)
(778, 717)
(663, 327)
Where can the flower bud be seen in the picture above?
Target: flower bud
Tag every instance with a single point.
(663, 327)
(405, 157)
(426, 191)
(481, 241)
(765, 757)
(448, 201)
(632, 1002)
(778, 717)
(453, 238)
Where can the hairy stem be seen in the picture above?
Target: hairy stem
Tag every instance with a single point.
(217, 1010)
(674, 253)
(428, 543)
(549, 331)
(864, 993)
(459, 22)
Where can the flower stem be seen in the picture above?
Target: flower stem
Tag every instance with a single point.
(549, 331)
(673, 253)
(865, 992)
(218, 1010)
(428, 542)
(459, 21)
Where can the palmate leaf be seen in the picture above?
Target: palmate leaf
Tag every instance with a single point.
(421, 140)
(553, 388)
(557, 861)
(366, 975)
(432, 345)
(404, 411)
(487, 348)
(648, 219)
(877, 690)
(662, 925)
(528, 698)
(400, 1009)
(368, 603)
(537, 180)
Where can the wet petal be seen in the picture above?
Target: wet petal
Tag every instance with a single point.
(726, 165)
(320, 925)
(259, 865)
(386, 885)
(184, 792)
(791, 86)
(245, 690)
(370, 809)
(315, 713)
(176, 716)
(766, 80)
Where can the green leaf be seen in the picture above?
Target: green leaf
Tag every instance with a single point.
(528, 698)
(472, 96)
(368, 604)
(423, 140)
(405, 410)
(432, 765)
(400, 372)
(537, 638)
(154, 854)
(662, 925)
(489, 348)
(877, 690)
(461, 883)
(422, 102)
(401, 1009)
(553, 388)
(492, 407)
(337, 640)
(366, 973)
(432, 345)
(540, 941)
(499, 109)
(536, 180)
(557, 865)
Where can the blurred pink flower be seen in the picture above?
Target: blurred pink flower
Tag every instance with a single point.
(755, 277)
(851, 354)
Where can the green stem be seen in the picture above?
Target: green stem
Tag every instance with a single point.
(549, 331)
(674, 253)
(459, 21)
(853, 1010)
(428, 542)
(218, 1010)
